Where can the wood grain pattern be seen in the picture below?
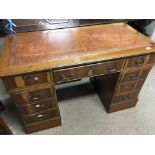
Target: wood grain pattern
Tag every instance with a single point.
(52, 113)
(37, 107)
(125, 97)
(26, 80)
(140, 61)
(32, 96)
(135, 74)
(42, 125)
(74, 73)
(121, 106)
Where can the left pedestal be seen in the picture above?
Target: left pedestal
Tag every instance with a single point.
(35, 97)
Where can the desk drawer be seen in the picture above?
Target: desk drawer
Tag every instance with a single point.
(122, 105)
(107, 67)
(135, 75)
(26, 80)
(41, 116)
(32, 96)
(130, 86)
(68, 74)
(140, 60)
(37, 107)
(126, 87)
(125, 97)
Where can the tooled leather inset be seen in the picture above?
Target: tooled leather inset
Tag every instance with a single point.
(73, 42)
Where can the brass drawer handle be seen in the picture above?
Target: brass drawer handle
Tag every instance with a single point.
(63, 77)
(31, 77)
(37, 105)
(33, 98)
(140, 61)
(134, 76)
(41, 116)
(127, 97)
(36, 78)
(113, 69)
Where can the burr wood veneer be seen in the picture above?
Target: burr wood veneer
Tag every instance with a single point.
(116, 57)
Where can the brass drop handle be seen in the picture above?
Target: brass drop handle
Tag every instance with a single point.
(140, 61)
(127, 97)
(63, 77)
(34, 98)
(37, 105)
(41, 116)
(113, 69)
(134, 76)
(36, 78)
(31, 77)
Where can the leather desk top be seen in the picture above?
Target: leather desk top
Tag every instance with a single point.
(33, 51)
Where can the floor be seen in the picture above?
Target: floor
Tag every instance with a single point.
(83, 113)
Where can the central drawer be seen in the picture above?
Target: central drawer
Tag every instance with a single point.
(26, 97)
(68, 74)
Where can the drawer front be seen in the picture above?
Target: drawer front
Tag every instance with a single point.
(107, 67)
(139, 84)
(139, 61)
(41, 116)
(135, 75)
(87, 71)
(32, 96)
(70, 74)
(126, 87)
(26, 80)
(130, 86)
(122, 105)
(38, 107)
(125, 97)
(152, 58)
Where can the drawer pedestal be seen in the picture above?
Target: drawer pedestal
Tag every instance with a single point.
(35, 98)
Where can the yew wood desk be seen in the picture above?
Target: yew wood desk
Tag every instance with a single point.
(116, 57)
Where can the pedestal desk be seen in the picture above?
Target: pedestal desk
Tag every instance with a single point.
(115, 57)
